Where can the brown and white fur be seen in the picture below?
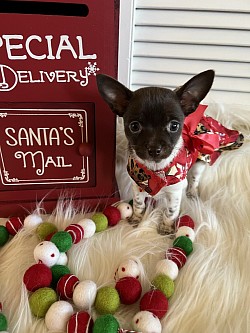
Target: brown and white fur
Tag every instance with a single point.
(153, 121)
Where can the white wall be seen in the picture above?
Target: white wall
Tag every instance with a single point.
(165, 42)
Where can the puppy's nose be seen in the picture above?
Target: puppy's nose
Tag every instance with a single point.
(154, 151)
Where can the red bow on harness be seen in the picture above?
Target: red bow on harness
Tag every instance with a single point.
(203, 142)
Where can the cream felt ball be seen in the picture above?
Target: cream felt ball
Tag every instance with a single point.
(84, 294)
(46, 253)
(128, 268)
(4, 235)
(62, 240)
(41, 300)
(186, 231)
(45, 229)
(101, 221)
(58, 315)
(37, 276)
(163, 283)
(66, 285)
(80, 322)
(107, 300)
(32, 221)
(106, 324)
(13, 225)
(89, 227)
(126, 210)
(146, 322)
(63, 259)
(167, 267)
(154, 301)
(76, 232)
(113, 215)
(129, 290)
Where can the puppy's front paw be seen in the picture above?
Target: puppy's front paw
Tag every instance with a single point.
(135, 220)
(166, 226)
(165, 229)
(192, 193)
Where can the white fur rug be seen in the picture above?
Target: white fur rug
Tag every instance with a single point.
(212, 291)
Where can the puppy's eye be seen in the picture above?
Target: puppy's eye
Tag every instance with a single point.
(135, 127)
(173, 126)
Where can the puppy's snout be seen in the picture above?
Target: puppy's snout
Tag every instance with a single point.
(154, 151)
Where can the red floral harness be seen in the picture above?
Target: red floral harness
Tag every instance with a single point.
(204, 139)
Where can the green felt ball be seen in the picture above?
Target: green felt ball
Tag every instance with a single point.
(62, 240)
(45, 229)
(107, 300)
(184, 243)
(4, 235)
(57, 272)
(41, 300)
(3, 323)
(101, 221)
(106, 324)
(163, 283)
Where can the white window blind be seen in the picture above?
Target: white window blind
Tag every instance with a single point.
(174, 40)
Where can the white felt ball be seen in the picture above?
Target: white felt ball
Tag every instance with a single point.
(32, 221)
(47, 253)
(63, 259)
(146, 322)
(89, 227)
(126, 210)
(167, 267)
(186, 231)
(58, 315)
(128, 268)
(84, 294)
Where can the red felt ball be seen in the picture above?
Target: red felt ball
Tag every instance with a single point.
(37, 276)
(76, 232)
(129, 290)
(113, 215)
(80, 322)
(13, 225)
(156, 302)
(66, 285)
(186, 221)
(177, 255)
(49, 236)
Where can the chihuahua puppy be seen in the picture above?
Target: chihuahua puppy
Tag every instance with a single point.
(160, 146)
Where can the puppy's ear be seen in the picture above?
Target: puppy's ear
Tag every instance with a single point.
(114, 93)
(193, 91)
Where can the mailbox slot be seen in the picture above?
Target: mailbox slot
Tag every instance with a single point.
(44, 8)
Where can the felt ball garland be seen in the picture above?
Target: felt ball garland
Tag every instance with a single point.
(154, 303)
(55, 291)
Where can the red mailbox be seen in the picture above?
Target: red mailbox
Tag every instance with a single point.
(56, 133)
